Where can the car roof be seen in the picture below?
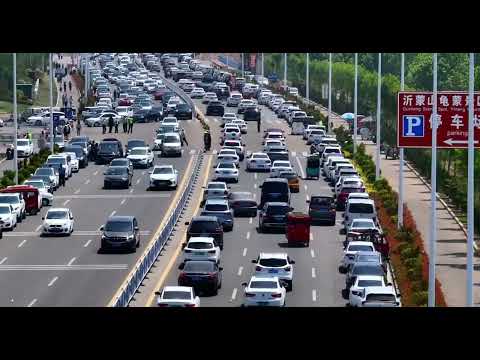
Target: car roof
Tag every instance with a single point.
(217, 201)
(58, 209)
(125, 218)
(177, 288)
(217, 182)
(264, 278)
(282, 180)
(204, 218)
(361, 201)
(379, 289)
(369, 243)
(201, 239)
(264, 255)
(370, 277)
(362, 195)
(163, 166)
(364, 219)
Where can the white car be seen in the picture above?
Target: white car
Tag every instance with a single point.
(277, 144)
(157, 141)
(44, 118)
(102, 118)
(24, 148)
(244, 104)
(124, 111)
(315, 135)
(361, 225)
(46, 198)
(376, 296)
(177, 296)
(275, 264)
(209, 96)
(226, 171)
(8, 218)
(201, 248)
(164, 175)
(17, 202)
(215, 190)
(141, 156)
(228, 158)
(310, 128)
(197, 93)
(278, 166)
(170, 120)
(258, 161)
(74, 163)
(362, 282)
(264, 291)
(58, 221)
(272, 135)
(171, 144)
(228, 117)
(241, 124)
(231, 132)
(234, 99)
(352, 248)
(61, 159)
(348, 182)
(237, 146)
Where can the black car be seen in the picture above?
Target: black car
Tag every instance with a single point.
(222, 92)
(243, 203)
(133, 143)
(183, 112)
(120, 232)
(166, 96)
(362, 268)
(108, 150)
(117, 176)
(251, 114)
(205, 226)
(273, 216)
(79, 153)
(140, 115)
(201, 275)
(322, 208)
(215, 108)
(122, 162)
(274, 189)
(155, 114)
(278, 154)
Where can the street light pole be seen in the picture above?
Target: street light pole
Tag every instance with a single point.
(285, 69)
(433, 213)
(263, 65)
(470, 185)
(243, 66)
(308, 78)
(51, 103)
(355, 106)
(379, 104)
(15, 126)
(400, 173)
(329, 93)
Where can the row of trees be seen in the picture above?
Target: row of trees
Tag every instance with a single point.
(452, 75)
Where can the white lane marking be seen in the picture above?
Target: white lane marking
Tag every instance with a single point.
(255, 176)
(95, 173)
(240, 269)
(3, 260)
(311, 236)
(144, 172)
(308, 197)
(71, 261)
(38, 227)
(123, 201)
(244, 251)
(294, 153)
(313, 273)
(248, 234)
(215, 119)
(66, 202)
(234, 294)
(254, 186)
(312, 253)
(22, 243)
(87, 243)
(305, 187)
(113, 213)
(131, 191)
(278, 122)
(314, 295)
(192, 152)
(87, 182)
(214, 151)
(254, 196)
(138, 181)
(250, 220)
(32, 303)
(52, 281)
(77, 191)
(301, 168)
(304, 153)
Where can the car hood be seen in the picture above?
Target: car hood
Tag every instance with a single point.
(162, 176)
(137, 157)
(116, 234)
(115, 177)
(5, 216)
(172, 144)
(54, 222)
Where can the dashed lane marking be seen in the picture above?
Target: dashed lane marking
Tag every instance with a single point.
(52, 281)
(234, 294)
(113, 213)
(313, 273)
(192, 152)
(77, 191)
(95, 173)
(71, 261)
(32, 303)
(304, 153)
(314, 295)
(22, 243)
(250, 220)
(138, 181)
(3, 260)
(248, 234)
(240, 269)
(38, 228)
(312, 253)
(244, 251)
(87, 182)
(300, 167)
(123, 201)
(66, 202)
(87, 243)
(294, 153)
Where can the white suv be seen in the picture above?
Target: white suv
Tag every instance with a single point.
(275, 264)
(17, 202)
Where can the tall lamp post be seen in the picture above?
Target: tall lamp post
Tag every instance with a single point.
(15, 126)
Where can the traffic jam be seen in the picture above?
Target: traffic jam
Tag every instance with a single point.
(269, 208)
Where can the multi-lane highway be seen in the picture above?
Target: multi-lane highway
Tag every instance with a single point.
(317, 281)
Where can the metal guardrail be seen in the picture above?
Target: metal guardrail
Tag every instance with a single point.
(148, 259)
(183, 95)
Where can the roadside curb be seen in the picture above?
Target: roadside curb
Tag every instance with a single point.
(449, 210)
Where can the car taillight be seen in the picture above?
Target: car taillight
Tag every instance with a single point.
(211, 275)
(258, 268)
(211, 251)
(288, 268)
(189, 305)
(188, 251)
(276, 295)
(249, 295)
(162, 305)
(253, 161)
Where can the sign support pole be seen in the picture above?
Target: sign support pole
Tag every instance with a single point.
(379, 104)
(470, 185)
(308, 78)
(263, 66)
(15, 126)
(329, 93)
(51, 103)
(355, 106)
(433, 214)
(285, 69)
(402, 154)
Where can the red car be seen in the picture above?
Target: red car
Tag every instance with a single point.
(158, 95)
(125, 102)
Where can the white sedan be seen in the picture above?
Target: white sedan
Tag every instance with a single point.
(141, 156)
(258, 161)
(279, 166)
(163, 175)
(177, 296)
(226, 171)
(24, 148)
(58, 221)
(197, 93)
(228, 117)
(228, 158)
(209, 96)
(102, 118)
(201, 248)
(46, 196)
(241, 124)
(264, 291)
(8, 217)
(274, 144)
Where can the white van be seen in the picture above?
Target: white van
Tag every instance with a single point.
(360, 209)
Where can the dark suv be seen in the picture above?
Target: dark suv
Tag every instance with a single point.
(120, 232)
(215, 108)
(273, 216)
(207, 226)
(251, 114)
(322, 208)
(109, 150)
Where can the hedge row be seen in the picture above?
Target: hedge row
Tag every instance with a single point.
(407, 251)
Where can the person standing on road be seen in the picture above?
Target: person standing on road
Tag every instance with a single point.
(110, 124)
(183, 138)
(258, 124)
(61, 173)
(124, 124)
(70, 85)
(79, 127)
(104, 127)
(65, 86)
(116, 126)
(207, 140)
(130, 125)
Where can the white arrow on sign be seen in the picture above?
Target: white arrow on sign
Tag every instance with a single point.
(451, 142)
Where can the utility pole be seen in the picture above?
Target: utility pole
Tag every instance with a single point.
(15, 126)
(51, 103)
(307, 80)
(355, 106)
(402, 153)
(379, 104)
(330, 93)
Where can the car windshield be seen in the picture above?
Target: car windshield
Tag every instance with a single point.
(203, 226)
(263, 285)
(108, 146)
(319, 201)
(37, 184)
(170, 139)
(216, 186)
(119, 162)
(368, 270)
(278, 210)
(216, 207)
(118, 226)
(5, 210)
(368, 258)
(226, 166)
(117, 171)
(288, 175)
(44, 171)
(56, 161)
(367, 283)
(359, 248)
(200, 245)
(176, 295)
(138, 151)
(361, 208)
(56, 214)
(199, 266)
(362, 224)
(163, 170)
(10, 199)
(273, 262)
(135, 143)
